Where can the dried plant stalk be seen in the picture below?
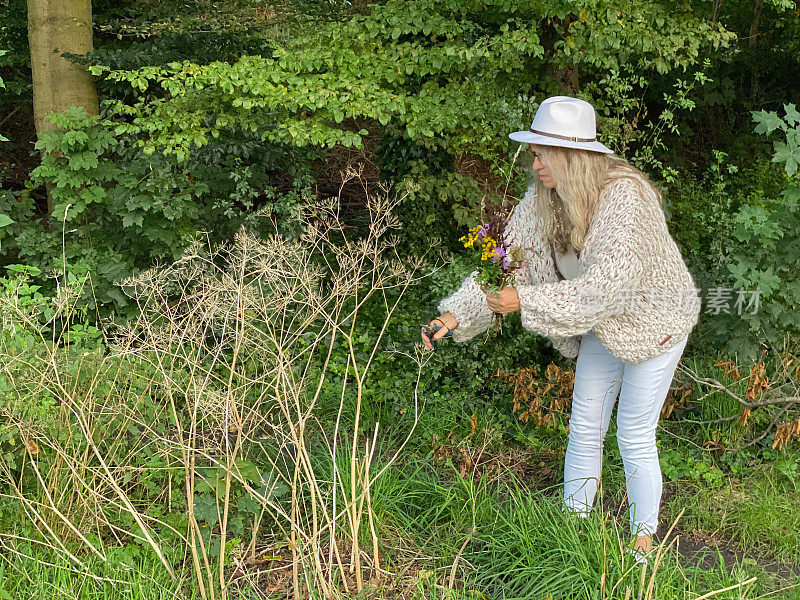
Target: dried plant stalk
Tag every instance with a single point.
(237, 343)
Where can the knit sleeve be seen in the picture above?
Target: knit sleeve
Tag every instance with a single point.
(567, 346)
(468, 303)
(613, 267)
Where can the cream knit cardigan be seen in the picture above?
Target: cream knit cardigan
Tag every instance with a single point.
(635, 291)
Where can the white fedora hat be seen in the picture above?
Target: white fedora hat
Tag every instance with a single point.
(565, 122)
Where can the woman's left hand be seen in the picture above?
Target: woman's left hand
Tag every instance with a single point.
(505, 301)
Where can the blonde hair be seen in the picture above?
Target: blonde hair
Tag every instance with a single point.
(580, 177)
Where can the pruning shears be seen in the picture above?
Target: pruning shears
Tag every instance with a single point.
(431, 330)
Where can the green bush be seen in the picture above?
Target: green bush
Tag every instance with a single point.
(115, 209)
(739, 234)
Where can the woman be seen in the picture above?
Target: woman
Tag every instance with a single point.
(605, 282)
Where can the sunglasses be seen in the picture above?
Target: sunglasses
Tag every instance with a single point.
(535, 156)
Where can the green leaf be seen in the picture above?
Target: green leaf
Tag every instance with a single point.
(5, 220)
(98, 70)
(766, 280)
(789, 155)
(132, 218)
(272, 486)
(767, 122)
(205, 509)
(24, 269)
(792, 196)
(83, 160)
(248, 504)
(75, 138)
(247, 470)
(792, 116)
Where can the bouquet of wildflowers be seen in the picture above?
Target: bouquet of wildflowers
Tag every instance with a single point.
(497, 260)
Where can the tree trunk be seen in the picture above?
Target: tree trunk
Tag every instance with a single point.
(56, 27)
(715, 12)
(751, 46)
(753, 37)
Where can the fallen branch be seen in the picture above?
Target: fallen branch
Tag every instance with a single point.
(725, 389)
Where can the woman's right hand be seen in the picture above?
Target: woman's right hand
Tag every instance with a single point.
(442, 324)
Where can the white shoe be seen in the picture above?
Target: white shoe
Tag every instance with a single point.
(639, 557)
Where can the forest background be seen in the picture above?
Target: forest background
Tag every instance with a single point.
(219, 250)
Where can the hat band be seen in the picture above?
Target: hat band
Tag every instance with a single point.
(564, 137)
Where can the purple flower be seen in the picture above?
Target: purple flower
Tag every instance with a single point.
(500, 257)
(499, 253)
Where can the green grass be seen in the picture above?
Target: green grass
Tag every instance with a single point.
(498, 538)
(129, 574)
(504, 540)
(522, 545)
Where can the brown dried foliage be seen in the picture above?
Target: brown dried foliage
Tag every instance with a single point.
(757, 382)
(531, 467)
(730, 369)
(540, 399)
(678, 398)
(786, 432)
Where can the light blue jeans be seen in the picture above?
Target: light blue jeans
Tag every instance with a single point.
(642, 387)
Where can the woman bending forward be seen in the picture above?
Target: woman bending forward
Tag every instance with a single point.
(604, 281)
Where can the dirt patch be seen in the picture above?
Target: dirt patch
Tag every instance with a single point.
(537, 469)
(704, 550)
